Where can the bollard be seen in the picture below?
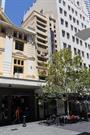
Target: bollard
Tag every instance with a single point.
(24, 121)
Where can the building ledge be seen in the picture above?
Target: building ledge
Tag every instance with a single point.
(15, 82)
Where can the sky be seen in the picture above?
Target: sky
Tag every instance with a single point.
(15, 9)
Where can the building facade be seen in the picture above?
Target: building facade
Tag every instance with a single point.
(71, 16)
(19, 81)
(17, 51)
(39, 23)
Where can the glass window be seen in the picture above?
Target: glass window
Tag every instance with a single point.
(66, 23)
(18, 62)
(80, 42)
(85, 44)
(65, 13)
(73, 38)
(62, 21)
(70, 17)
(15, 61)
(64, 45)
(63, 33)
(71, 27)
(19, 45)
(68, 35)
(60, 9)
(77, 40)
(82, 53)
(64, 3)
(18, 69)
(68, 7)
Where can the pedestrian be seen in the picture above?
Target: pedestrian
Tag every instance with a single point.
(17, 113)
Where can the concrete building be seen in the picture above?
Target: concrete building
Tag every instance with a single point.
(71, 16)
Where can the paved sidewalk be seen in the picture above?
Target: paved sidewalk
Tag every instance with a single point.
(35, 129)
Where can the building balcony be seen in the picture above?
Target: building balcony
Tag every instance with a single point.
(43, 25)
(39, 28)
(42, 39)
(44, 50)
(41, 43)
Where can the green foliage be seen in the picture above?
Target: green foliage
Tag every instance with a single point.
(65, 74)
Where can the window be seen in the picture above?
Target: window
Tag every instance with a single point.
(73, 38)
(72, 10)
(18, 69)
(76, 13)
(87, 55)
(69, 47)
(22, 62)
(82, 53)
(80, 42)
(71, 27)
(77, 22)
(88, 46)
(84, 65)
(19, 45)
(63, 33)
(60, 9)
(75, 30)
(74, 19)
(80, 16)
(15, 34)
(82, 25)
(85, 44)
(18, 66)
(70, 17)
(66, 23)
(18, 62)
(77, 40)
(75, 51)
(65, 13)
(62, 21)
(78, 51)
(64, 3)
(64, 45)
(83, 18)
(59, 1)
(68, 35)
(15, 61)
(68, 7)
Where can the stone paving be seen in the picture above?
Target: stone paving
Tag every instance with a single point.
(82, 126)
(35, 129)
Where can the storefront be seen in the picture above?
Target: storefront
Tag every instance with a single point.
(17, 94)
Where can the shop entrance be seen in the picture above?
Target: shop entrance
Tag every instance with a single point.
(14, 100)
(21, 106)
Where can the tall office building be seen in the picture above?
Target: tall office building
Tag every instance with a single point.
(71, 16)
(87, 2)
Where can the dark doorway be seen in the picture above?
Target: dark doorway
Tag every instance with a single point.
(11, 99)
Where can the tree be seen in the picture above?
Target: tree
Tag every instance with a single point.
(64, 72)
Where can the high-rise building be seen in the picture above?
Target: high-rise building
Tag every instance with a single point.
(2, 4)
(87, 2)
(71, 16)
(46, 43)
